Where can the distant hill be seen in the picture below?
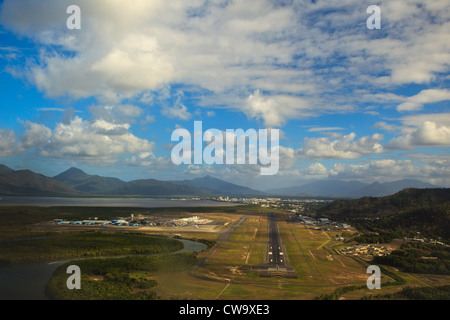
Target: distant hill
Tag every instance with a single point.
(322, 188)
(214, 186)
(384, 189)
(410, 210)
(97, 185)
(350, 189)
(26, 182)
(86, 183)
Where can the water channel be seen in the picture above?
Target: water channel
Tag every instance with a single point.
(28, 281)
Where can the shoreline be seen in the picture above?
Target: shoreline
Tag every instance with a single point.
(131, 202)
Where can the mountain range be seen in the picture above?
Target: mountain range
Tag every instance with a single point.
(75, 182)
(350, 189)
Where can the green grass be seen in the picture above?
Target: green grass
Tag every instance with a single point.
(117, 278)
(84, 244)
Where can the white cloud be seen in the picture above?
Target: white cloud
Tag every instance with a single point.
(121, 113)
(431, 134)
(320, 129)
(147, 119)
(177, 112)
(386, 126)
(151, 162)
(8, 143)
(427, 134)
(52, 109)
(423, 130)
(384, 170)
(135, 64)
(35, 135)
(287, 157)
(342, 147)
(96, 141)
(275, 110)
(317, 170)
(377, 170)
(425, 96)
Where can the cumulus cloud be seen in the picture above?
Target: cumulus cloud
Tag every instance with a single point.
(383, 170)
(8, 143)
(97, 141)
(422, 130)
(275, 110)
(315, 171)
(426, 134)
(377, 170)
(287, 157)
(35, 135)
(341, 147)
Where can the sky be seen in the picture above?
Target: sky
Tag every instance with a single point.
(350, 103)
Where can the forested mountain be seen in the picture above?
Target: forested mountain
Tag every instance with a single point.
(411, 210)
(26, 182)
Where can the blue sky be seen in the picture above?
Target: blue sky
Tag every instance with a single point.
(351, 103)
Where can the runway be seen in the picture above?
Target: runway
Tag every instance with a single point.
(276, 259)
(276, 253)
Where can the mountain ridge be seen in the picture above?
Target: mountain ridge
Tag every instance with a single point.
(76, 182)
(350, 189)
(377, 189)
(30, 183)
